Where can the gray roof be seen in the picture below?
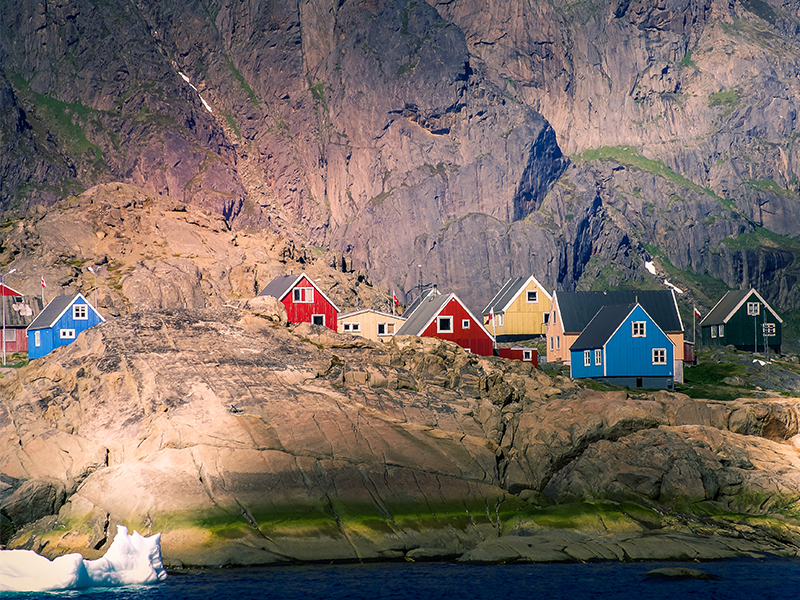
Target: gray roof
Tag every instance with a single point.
(21, 310)
(280, 286)
(729, 304)
(426, 292)
(48, 317)
(423, 313)
(577, 309)
(600, 329)
(501, 299)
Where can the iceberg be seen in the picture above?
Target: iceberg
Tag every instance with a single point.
(132, 559)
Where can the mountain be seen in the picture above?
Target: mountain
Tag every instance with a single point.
(477, 139)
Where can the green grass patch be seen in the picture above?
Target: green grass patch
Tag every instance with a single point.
(599, 516)
(729, 99)
(243, 83)
(763, 238)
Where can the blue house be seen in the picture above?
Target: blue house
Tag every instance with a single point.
(623, 345)
(60, 323)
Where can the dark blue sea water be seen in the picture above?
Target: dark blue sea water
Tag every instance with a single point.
(740, 579)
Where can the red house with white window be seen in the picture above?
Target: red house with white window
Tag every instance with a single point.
(447, 318)
(304, 301)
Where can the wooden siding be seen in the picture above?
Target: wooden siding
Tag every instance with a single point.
(518, 354)
(473, 338)
(368, 321)
(303, 312)
(20, 343)
(744, 331)
(525, 318)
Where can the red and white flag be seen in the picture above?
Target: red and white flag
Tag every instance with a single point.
(44, 285)
(490, 318)
(696, 312)
(394, 298)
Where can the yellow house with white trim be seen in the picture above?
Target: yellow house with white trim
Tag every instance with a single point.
(519, 311)
(371, 324)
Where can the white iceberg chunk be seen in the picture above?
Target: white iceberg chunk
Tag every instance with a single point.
(132, 559)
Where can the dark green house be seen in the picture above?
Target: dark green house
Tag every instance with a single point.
(743, 319)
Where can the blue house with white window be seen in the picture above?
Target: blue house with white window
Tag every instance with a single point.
(60, 323)
(623, 345)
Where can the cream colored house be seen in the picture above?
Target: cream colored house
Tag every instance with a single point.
(372, 324)
(519, 311)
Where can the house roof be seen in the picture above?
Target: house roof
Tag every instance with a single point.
(369, 310)
(510, 292)
(428, 310)
(604, 325)
(55, 309)
(283, 284)
(729, 304)
(21, 314)
(431, 291)
(577, 309)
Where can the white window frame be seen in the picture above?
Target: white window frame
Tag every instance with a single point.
(558, 342)
(598, 357)
(66, 334)
(80, 312)
(527, 355)
(351, 327)
(499, 318)
(768, 328)
(721, 330)
(639, 329)
(532, 296)
(464, 323)
(388, 329)
(315, 316)
(659, 356)
(37, 338)
(442, 319)
(303, 295)
(10, 335)
(713, 331)
(551, 342)
(587, 358)
(753, 309)
(546, 318)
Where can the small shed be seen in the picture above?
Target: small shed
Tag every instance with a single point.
(20, 311)
(743, 319)
(304, 301)
(371, 324)
(623, 345)
(60, 323)
(529, 355)
(446, 317)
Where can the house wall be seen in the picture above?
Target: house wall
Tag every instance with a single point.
(553, 331)
(627, 356)
(20, 343)
(302, 312)
(577, 368)
(369, 324)
(473, 339)
(744, 331)
(525, 319)
(518, 354)
(51, 338)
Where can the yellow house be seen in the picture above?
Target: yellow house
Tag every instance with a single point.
(372, 324)
(519, 311)
(572, 312)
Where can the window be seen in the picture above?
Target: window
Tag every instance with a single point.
(527, 355)
(713, 331)
(499, 319)
(385, 328)
(80, 312)
(753, 309)
(352, 327)
(10, 335)
(444, 325)
(67, 334)
(533, 296)
(318, 319)
(546, 318)
(598, 357)
(37, 338)
(554, 317)
(659, 356)
(768, 329)
(551, 342)
(639, 329)
(721, 330)
(464, 323)
(587, 358)
(558, 342)
(303, 295)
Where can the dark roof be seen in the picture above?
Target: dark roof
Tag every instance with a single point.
(21, 310)
(578, 308)
(48, 317)
(426, 310)
(501, 299)
(415, 304)
(280, 286)
(729, 304)
(600, 329)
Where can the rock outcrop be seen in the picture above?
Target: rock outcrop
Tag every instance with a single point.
(243, 441)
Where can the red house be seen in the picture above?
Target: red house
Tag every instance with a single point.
(19, 312)
(304, 301)
(445, 317)
(530, 355)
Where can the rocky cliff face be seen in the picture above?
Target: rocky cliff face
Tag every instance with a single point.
(244, 442)
(406, 133)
